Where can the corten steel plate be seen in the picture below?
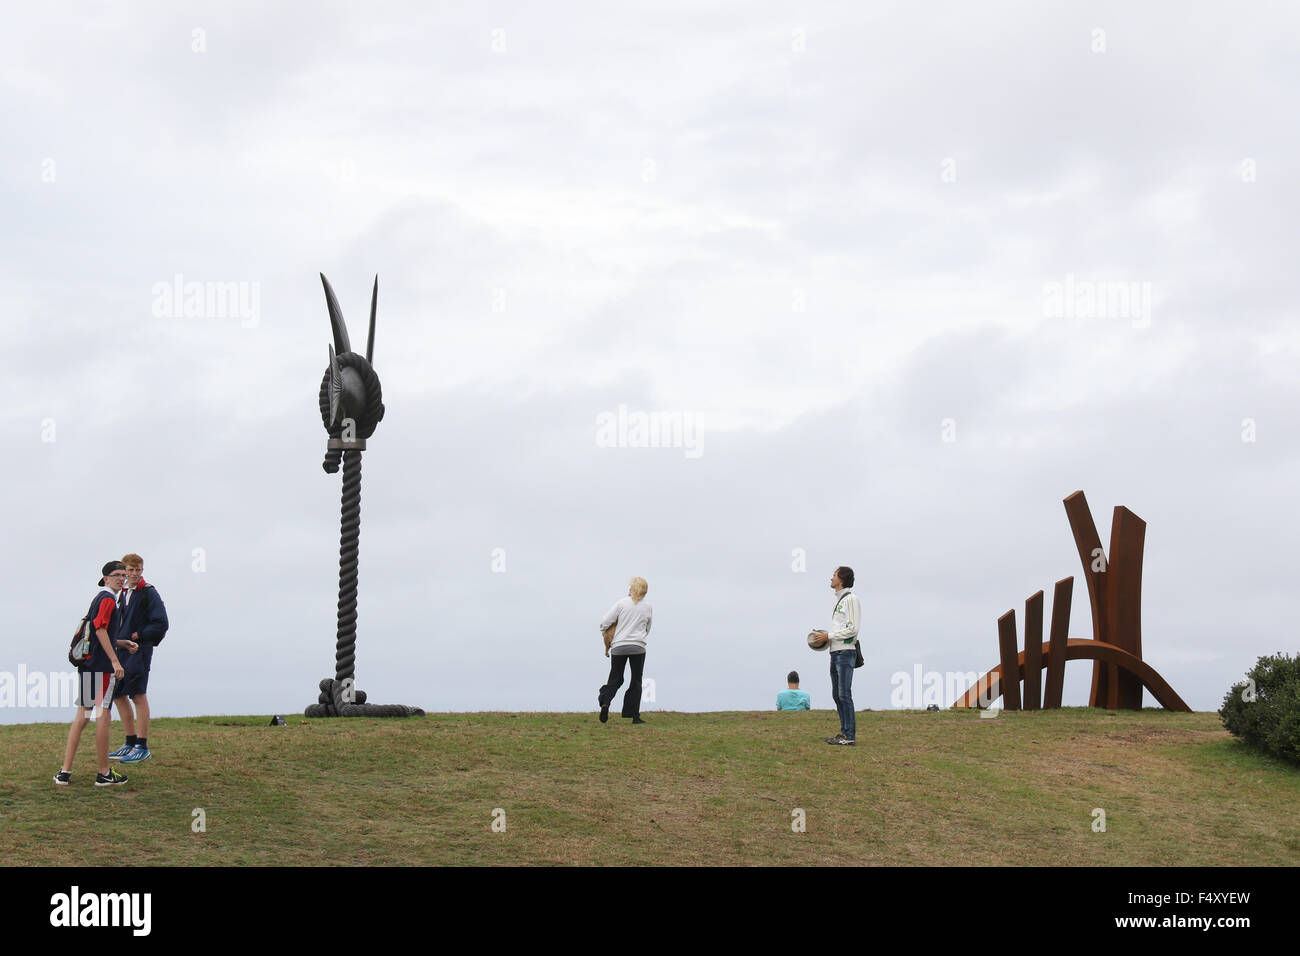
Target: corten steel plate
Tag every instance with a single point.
(1124, 599)
(1007, 646)
(1033, 654)
(1056, 652)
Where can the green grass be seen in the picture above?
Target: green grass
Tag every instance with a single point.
(718, 788)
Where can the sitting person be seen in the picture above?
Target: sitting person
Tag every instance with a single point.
(793, 698)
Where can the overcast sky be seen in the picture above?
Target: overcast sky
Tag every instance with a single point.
(909, 277)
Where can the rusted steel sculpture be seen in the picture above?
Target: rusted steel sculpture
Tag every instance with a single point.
(1115, 594)
(351, 408)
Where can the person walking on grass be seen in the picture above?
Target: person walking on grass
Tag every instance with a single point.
(96, 678)
(144, 620)
(843, 636)
(625, 629)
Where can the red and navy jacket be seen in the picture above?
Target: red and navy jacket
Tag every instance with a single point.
(103, 613)
(142, 611)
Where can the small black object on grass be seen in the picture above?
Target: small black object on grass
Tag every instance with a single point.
(277, 721)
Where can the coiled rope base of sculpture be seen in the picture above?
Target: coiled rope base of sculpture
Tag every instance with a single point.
(333, 703)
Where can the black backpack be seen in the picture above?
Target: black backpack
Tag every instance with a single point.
(82, 647)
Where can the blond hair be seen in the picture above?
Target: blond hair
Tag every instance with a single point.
(638, 588)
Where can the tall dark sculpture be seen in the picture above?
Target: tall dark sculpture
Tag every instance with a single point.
(351, 408)
(1115, 592)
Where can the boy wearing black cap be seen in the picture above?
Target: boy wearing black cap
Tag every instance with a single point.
(96, 677)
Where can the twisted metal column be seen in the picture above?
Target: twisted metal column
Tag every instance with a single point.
(349, 547)
(339, 696)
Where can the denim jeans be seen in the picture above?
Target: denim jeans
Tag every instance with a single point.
(842, 690)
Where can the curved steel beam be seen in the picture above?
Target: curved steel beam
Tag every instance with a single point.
(989, 687)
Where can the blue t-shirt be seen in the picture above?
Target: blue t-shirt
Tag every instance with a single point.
(793, 700)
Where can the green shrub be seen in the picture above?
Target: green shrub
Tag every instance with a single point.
(1264, 709)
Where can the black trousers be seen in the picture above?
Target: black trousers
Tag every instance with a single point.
(632, 696)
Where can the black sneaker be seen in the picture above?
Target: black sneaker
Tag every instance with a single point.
(110, 779)
(843, 742)
(637, 720)
(63, 778)
(834, 740)
(604, 711)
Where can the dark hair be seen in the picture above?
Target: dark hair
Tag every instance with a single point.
(845, 575)
(792, 677)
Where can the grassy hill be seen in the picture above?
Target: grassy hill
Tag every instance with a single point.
(719, 788)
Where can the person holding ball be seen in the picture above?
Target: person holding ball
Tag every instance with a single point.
(842, 641)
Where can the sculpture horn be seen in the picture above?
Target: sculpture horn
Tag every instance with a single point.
(340, 327)
(370, 341)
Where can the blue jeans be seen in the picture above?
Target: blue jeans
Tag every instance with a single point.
(842, 690)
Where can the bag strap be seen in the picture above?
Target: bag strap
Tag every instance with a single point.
(88, 617)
